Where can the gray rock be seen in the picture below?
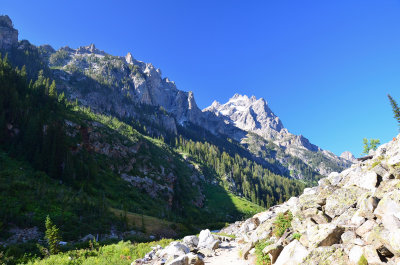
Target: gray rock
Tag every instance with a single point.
(246, 250)
(183, 260)
(365, 227)
(174, 250)
(292, 254)
(388, 210)
(348, 237)
(324, 235)
(341, 200)
(191, 241)
(206, 240)
(355, 254)
(273, 251)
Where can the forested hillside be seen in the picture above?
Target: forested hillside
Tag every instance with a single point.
(81, 168)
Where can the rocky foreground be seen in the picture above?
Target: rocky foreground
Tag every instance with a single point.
(349, 218)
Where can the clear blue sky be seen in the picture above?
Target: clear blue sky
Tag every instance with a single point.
(325, 67)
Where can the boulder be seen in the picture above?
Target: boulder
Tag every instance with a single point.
(345, 218)
(367, 205)
(324, 235)
(341, 200)
(355, 254)
(206, 239)
(191, 241)
(357, 219)
(386, 186)
(394, 241)
(334, 178)
(182, 260)
(348, 237)
(365, 227)
(173, 251)
(366, 181)
(206, 252)
(326, 255)
(292, 254)
(194, 259)
(263, 216)
(394, 160)
(388, 210)
(381, 171)
(371, 255)
(246, 250)
(273, 251)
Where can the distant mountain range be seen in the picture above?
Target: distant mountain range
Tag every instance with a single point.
(117, 85)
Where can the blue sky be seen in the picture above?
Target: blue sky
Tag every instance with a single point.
(325, 67)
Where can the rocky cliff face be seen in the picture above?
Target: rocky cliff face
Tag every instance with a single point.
(8, 35)
(254, 115)
(350, 217)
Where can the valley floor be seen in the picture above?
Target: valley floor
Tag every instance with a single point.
(227, 254)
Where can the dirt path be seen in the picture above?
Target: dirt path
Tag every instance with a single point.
(227, 254)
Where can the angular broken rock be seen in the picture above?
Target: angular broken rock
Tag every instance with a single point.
(174, 250)
(388, 210)
(191, 241)
(206, 240)
(273, 251)
(194, 259)
(348, 236)
(292, 254)
(365, 227)
(341, 200)
(355, 254)
(326, 255)
(246, 250)
(182, 260)
(324, 235)
(371, 255)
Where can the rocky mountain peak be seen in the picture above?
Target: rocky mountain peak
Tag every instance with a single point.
(89, 49)
(250, 114)
(129, 58)
(8, 34)
(348, 156)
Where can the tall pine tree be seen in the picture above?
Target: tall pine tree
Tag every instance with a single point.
(396, 109)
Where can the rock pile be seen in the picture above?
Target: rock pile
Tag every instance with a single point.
(349, 218)
(192, 250)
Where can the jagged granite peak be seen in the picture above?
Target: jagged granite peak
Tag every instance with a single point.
(249, 114)
(254, 115)
(8, 34)
(348, 156)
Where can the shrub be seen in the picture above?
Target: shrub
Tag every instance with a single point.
(262, 259)
(282, 222)
(296, 236)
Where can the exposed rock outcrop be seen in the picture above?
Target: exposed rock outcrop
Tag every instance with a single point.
(8, 34)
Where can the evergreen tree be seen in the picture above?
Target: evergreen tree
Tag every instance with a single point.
(396, 109)
(52, 236)
(53, 90)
